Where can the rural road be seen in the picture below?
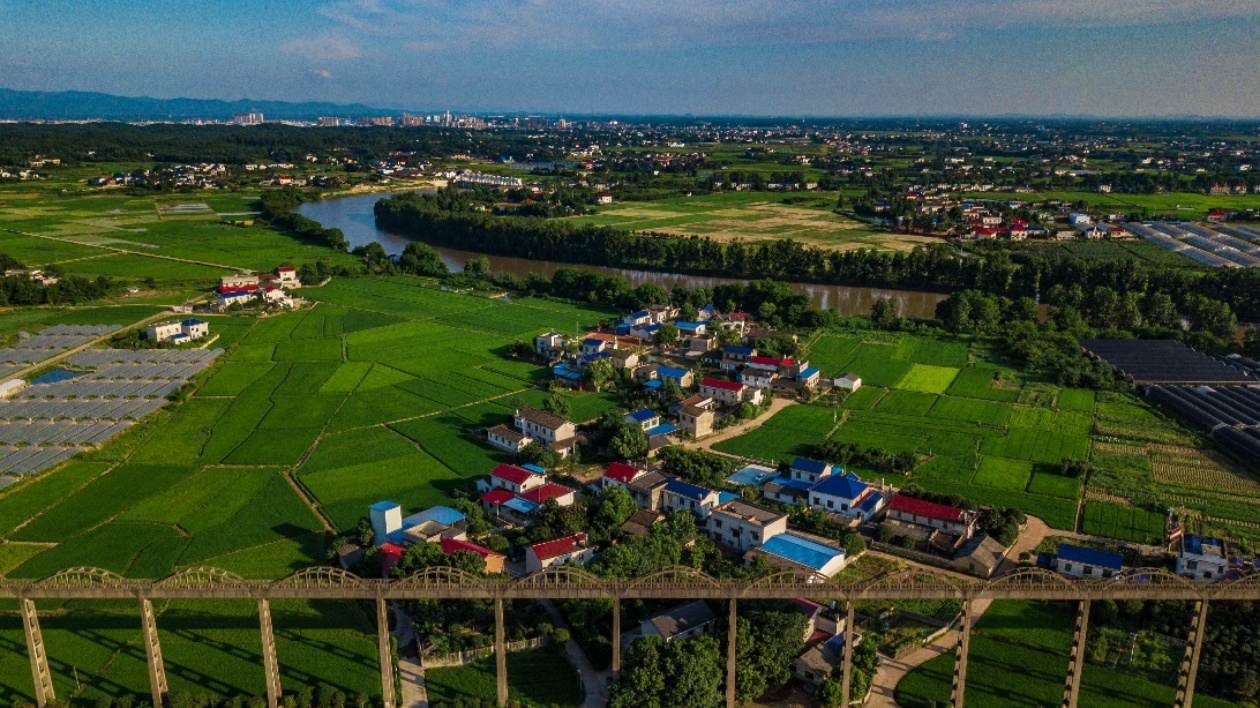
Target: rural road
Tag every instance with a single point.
(707, 444)
(595, 682)
(890, 673)
(414, 694)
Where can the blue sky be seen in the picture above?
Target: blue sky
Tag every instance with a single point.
(748, 57)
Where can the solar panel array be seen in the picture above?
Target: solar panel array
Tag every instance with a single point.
(48, 343)
(1222, 247)
(44, 424)
(1230, 413)
(1166, 362)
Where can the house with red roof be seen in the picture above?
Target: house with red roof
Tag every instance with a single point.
(570, 549)
(516, 480)
(620, 473)
(562, 495)
(729, 392)
(494, 561)
(920, 512)
(390, 553)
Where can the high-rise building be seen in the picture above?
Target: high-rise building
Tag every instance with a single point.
(328, 122)
(251, 118)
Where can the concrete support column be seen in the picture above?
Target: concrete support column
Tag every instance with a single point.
(616, 638)
(1072, 689)
(1190, 665)
(153, 654)
(732, 632)
(271, 668)
(958, 695)
(387, 659)
(500, 652)
(35, 650)
(846, 675)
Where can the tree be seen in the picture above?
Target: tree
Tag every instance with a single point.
(556, 404)
(668, 334)
(419, 258)
(629, 443)
(616, 506)
(599, 373)
(766, 644)
(884, 313)
(830, 693)
(478, 267)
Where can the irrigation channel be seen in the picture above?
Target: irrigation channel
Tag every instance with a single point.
(353, 215)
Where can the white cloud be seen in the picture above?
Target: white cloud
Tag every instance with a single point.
(325, 47)
(435, 25)
(323, 73)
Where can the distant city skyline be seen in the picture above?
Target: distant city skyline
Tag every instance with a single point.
(1120, 58)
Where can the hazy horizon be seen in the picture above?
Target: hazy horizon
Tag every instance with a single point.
(793, 58)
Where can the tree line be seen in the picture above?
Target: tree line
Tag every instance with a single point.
(451, 219)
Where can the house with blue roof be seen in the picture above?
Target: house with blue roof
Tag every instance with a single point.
(643, 418)
(592, 345)
(645, 332)
(433, 525)
(637, 318)
(810, 556)
(691, 329)
(679, 495)
(1081, 562)
(706, 313)
(810, 376)
(567, 374)
(843, 494)
(735, 356)
(811, 471)
(1202, 557)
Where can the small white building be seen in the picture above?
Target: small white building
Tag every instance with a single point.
(164, 331)
(505, 437)
(848, 382)
(1202, 557)
(570, 549)
(549, 345)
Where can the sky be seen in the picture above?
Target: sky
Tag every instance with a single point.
(623, 57)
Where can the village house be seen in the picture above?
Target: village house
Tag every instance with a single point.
(429, 526)
(700, 344)
(729, 392)
(697, 421)
(232, 282)
(516, 480)
(641, 522)
(593, 345)
(685, 620)
(919, 512)
(848, 382)
(679, 495)
(1080, 562)
(758, 378)
(506, 437)
(744, 526)
(549, 345)
(289, 276)
(643, 419)
(820, 660)
(811, 471)
(570, 549)
(556, 433)
(980, 556)
(623, 359)
(560, 494)
(494, 561)
(645, 487)
(178, 332)
(691, 329)
(846, 495)
(809, 556)
(734, 356)
(1202, 557)
(655, 375)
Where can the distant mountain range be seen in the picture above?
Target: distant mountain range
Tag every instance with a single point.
(84, 105)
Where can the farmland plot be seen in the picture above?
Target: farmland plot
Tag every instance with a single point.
(790, 432)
